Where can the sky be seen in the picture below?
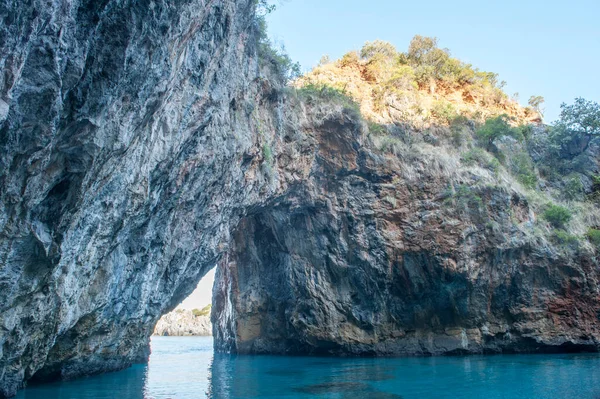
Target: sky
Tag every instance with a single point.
(549, 48)
(202, 294)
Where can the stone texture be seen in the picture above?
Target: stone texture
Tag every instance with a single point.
(142, 143)
(183, 323)
(126, 138)
(364, 258)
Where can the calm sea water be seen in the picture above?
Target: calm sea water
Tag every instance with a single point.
(186, 368)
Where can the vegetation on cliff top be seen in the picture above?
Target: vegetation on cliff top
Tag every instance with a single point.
(424, 85)
(442, 116)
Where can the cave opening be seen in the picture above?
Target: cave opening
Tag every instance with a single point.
(191, 317)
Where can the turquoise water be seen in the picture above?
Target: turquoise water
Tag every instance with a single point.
(185, 368)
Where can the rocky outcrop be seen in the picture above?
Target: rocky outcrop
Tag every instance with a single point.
(400, 254)
(142, 144)
(128, 142)
(183, 323)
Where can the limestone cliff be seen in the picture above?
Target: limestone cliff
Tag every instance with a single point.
(143, 143)
(183, 323)
(406, 238)
(384, 255)
(127, 146)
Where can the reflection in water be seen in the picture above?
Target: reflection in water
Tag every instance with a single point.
(127, 384)
(185, 368)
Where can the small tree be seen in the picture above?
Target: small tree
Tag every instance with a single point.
(536, 102)
(324, 60)
(370, 49)
(495, 128)
(579, 123)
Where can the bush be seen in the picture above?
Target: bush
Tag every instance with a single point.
(443, 111)
(377, 129)
(467, 199)
(350, 59)
(593, 235)
(378, 69)
(480, 157)
(495, 128)
(391, 144)
(403, 78)
(378, 47)
(562, 237)
(329, 93)
(522, 167)
(205, 311)
(267, 154)
(558, 216)
(573, 189)
(460, 130)
(579, 123)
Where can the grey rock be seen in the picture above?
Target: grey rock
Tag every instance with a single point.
(143, 143)
(125, 145)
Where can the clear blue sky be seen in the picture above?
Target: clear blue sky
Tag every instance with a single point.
(549, 48)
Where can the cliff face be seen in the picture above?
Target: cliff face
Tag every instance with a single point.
(182, 323)
(374, 255)
(127, 142)
(142, 145)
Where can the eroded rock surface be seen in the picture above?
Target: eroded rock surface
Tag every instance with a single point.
(127, 141)
(142, 144)
(379, 254)
(183, 323)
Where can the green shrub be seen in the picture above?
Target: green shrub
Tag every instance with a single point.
(522, 167)
(460, 131)
(525, 131)
(562, 237)
(466, 198)
(573, 189)
(480, 157)
(350, 59)
(391, 144)
(377, 129)
(267, 153)
(443, 111)
(329, 93)
(558, 216)
(581, 122)
(378, 47)
(403, 78)
(495, 128)
(205, 311)
(593, 235)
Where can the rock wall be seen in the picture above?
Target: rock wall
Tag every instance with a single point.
(400, 254)
(128, 149)
(183, 323)
(143, 143)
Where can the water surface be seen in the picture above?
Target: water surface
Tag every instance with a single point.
(185, 368)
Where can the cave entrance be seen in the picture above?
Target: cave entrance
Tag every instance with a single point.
(191, 317)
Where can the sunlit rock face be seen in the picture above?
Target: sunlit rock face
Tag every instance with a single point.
(183, 323)
(127, 150)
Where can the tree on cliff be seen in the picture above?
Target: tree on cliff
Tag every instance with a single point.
(495, 128)
(579, 123)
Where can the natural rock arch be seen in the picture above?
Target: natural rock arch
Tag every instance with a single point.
(142, 144)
